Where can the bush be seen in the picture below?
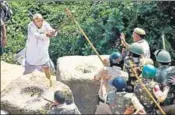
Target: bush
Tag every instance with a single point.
(101, 21)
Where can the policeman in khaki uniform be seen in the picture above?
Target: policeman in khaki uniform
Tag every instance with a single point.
(138, 37)
(121, 102)
(166, 78)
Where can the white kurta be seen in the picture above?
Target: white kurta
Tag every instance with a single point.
(38, 44)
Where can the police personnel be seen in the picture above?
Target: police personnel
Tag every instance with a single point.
(138, 37)
(132, 61)
(165, 77)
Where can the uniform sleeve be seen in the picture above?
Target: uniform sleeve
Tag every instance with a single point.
(146, 53)
(165, 91)
(33, 31)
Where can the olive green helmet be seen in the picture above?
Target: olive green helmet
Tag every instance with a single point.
(136, 48)
(162, 56)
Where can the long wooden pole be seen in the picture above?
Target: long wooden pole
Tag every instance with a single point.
(81, 30)
(163, 40)
(145, 88)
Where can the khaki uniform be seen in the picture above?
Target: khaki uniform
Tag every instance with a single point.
(146, 48)
(162, 76)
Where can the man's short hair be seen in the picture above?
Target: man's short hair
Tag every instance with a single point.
(35, 16)
(59, 97)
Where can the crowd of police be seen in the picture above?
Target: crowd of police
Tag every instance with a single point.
(120, 87)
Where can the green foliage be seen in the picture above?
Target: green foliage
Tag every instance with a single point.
(100, 21)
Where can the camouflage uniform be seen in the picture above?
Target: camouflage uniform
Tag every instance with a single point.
(163, 77)
(64, 109)
(146, 101)
(136, 63)
(119, 101)
(163, 74)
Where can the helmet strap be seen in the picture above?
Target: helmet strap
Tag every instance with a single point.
(157, 53)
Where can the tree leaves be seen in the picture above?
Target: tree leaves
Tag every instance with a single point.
(101, 21)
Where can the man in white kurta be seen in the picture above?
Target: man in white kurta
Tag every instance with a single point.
(37, 46)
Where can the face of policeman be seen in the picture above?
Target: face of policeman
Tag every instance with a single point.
(135, 37)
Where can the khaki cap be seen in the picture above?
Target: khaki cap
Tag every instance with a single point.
(139, 31)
